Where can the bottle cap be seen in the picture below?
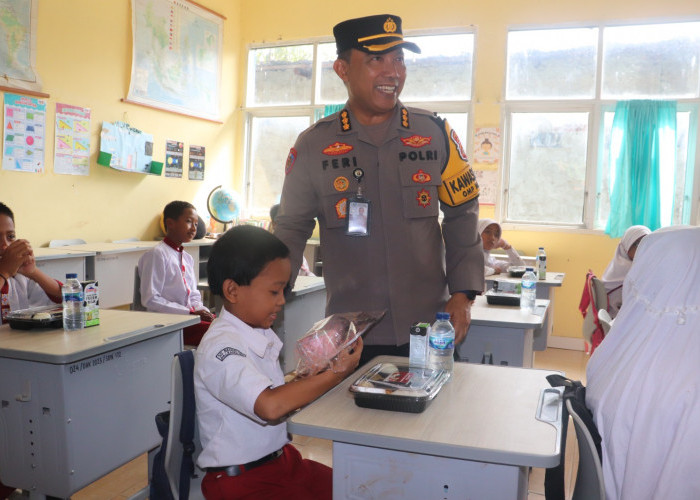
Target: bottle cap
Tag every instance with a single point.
(71, 275)
(529, 269)
(442, 315)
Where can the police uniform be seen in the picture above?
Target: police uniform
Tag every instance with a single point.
(242, 453)
(407, 264)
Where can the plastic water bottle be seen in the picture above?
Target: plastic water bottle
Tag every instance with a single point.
(541, 264)
(528, 291)
(441, 343)
(72, 303)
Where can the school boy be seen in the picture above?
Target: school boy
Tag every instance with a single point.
(22, 284)
(241, 396)
(168, 284)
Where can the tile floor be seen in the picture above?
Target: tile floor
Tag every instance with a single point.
(126, 481)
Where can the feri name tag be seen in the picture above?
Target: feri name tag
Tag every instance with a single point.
(91, 303)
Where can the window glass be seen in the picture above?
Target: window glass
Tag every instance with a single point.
(280, 75)
(650, 61)
(552, 64)
(547, 167)
(271, 138)
(331, 87)
(443, 69)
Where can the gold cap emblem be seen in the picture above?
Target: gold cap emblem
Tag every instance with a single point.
(389, 25)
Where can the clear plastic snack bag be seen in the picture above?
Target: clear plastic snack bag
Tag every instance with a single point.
(329, 336)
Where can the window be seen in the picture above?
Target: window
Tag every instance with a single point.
(289, 86)
(561, 89)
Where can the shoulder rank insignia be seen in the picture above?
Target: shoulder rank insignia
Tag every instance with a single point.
(458, 180)
(405, 123)
(344, 117)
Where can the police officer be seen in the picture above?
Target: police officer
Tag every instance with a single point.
(375, 175)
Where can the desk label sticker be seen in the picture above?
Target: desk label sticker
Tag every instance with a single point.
(92, 362)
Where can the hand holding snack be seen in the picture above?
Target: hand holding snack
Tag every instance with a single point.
(345, 362)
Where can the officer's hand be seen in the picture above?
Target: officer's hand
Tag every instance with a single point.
(459, 307)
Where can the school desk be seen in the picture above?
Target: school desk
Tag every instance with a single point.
(477, 439)
(503, 331)
(77, 405)
(545, 290)
(57, 262)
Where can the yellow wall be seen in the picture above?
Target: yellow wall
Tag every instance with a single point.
(84, 58)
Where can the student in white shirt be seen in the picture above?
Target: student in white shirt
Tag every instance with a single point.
(491, 232)
(242, 399)
(644, 378)
(22, 284)
(617, 269)
(166, 272)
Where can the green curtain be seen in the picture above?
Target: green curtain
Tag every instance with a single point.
(643, 137)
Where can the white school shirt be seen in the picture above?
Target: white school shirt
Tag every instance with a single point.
(24, 293)
(162, 286)
(234, 363)
(490, 262)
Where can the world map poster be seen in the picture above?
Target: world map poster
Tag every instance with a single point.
(18, 44)
(176, 62)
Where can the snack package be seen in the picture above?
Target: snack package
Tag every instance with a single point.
(329, 336)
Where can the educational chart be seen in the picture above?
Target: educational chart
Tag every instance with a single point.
(24, 130)
(126, 148)
(18, 43)
(488, 186)
(176, 62)
(196, 170)
(487, 145)
(173, 158)
(72, 140)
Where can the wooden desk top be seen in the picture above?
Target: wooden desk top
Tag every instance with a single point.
(116, 329)
(485, 413)
(484, 314)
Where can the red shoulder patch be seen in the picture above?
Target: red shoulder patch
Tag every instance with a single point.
(291, 158)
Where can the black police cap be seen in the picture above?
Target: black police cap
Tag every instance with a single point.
(371, 34)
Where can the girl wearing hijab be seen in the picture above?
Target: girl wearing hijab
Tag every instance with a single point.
(490, 231)
(644, 379)
(618, 268)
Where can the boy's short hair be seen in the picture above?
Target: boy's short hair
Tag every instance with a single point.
(174, 209)
(5, 210)
(241, 254)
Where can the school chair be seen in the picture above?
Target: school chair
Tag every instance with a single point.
(136, 304)
(593, 298)
(589, 478)
(184, 476)
(605, 320)
(63, 243)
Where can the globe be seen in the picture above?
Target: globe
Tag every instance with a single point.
(224, 204)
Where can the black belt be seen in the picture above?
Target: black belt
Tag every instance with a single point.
(237, 470)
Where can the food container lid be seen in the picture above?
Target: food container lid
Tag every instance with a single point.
(400, 381)
(36, 317)
(502, 298)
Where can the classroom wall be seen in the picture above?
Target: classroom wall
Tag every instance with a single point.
(84, 59)
(572, 252)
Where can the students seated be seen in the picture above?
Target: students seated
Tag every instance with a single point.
(643, 380)
(304, 269)
(242, 400)
(490, 231)
(618, 268)
(168, 283)
(22, 284)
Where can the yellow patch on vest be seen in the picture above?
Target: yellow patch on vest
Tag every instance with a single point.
(458, 180)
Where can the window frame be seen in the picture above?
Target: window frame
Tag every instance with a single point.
(596, 107)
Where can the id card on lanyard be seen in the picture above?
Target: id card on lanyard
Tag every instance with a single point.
(358, 210)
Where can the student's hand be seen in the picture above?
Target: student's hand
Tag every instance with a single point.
(502, 244)
(347, 360)
(501, 267)
(18, 254)
(204, 315)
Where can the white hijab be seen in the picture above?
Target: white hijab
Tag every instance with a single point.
(618, 268)
(644, 378)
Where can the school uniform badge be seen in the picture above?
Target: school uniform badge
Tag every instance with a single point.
(291, 158)
(228, 351)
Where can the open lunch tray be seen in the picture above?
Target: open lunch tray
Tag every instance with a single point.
(36, 317)
(502, 298)
(398, 387)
